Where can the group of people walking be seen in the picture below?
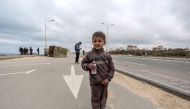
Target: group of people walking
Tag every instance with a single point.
(27, 51)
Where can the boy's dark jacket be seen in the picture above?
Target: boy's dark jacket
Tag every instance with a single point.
(104, 65)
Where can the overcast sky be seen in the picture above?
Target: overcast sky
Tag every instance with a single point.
(145, 23)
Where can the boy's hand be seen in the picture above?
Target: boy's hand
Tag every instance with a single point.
(91, 66)
(105, 82)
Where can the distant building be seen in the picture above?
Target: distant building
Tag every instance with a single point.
(158, 48)
(121, 48)
(117, 49)
(187, 49)
(131, 47)
(110, 49)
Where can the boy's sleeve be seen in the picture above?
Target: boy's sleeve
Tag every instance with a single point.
(84, 63)
(111, 69)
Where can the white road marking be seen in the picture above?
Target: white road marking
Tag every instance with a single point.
(28, 72)
(25, 72)
(73, 81)
(25, 64)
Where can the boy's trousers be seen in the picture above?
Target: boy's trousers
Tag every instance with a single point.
(99, 94)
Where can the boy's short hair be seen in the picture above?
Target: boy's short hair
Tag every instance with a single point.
(99, 34)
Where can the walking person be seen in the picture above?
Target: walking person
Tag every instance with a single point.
(20, 50)
(38, 50)
(83, 52)
(31, 50)
(101, 70)
(26, 51)
(77, 51)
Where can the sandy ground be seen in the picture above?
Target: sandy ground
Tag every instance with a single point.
(159, 97)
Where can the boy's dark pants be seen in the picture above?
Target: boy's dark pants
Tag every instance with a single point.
(99, 94)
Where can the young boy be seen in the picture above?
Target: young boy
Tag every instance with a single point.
(101, 70)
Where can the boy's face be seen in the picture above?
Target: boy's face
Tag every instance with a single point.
(98, 42)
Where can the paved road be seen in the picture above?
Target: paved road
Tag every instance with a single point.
(173, 72)
(38, 83)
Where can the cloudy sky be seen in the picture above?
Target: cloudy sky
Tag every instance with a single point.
(145, 23)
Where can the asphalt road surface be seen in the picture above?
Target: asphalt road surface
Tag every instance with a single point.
(172, 72)
(56, 83)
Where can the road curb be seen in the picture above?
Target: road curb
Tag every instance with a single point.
(14, 57)
(9, 57)
(167, 87)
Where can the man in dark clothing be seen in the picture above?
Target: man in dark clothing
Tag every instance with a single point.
(31, 50)
(21, 50)
(101, 71)
(24, 50)
(77, 51)
(83, 52)
(38, 50)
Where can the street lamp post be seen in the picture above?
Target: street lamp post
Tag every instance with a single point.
(107, 27)
(45, 49)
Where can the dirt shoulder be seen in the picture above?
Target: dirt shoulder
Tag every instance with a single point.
(159, 97)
